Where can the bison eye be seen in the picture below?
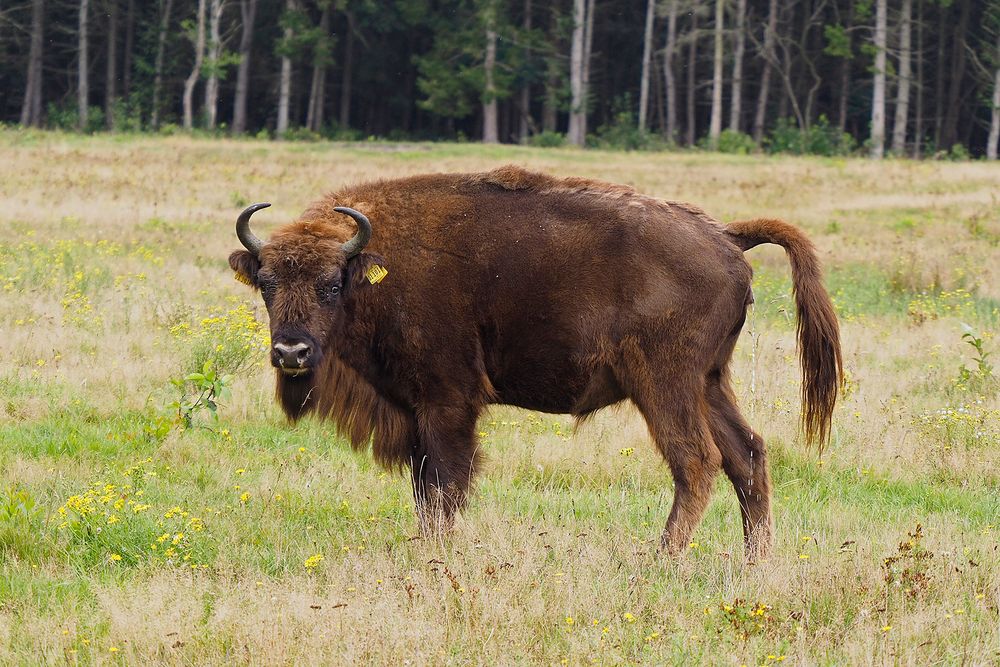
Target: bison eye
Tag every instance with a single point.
(328, 292)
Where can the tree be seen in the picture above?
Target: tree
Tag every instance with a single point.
(214, 63)
(471, 67)
(348, 70)
(736, 98)
(767, 54)
(285, 85)
(248, 13)
(579, 64)
(715, 124)
(161, 45)
(878, 96)
(692, 75)
(994, 135)
(992, 24)
(83, 66)
(491, 133)
(838, 45)
(31, 107)
(464, 68)
(957, 60)
(918, 121)
(129, 49)
(903, 88)
(110, 73)
(322, 57)
(526, 124)
(199, 55)
(647, 62)
(669, 77)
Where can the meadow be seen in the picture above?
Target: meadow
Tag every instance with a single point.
(136, 526)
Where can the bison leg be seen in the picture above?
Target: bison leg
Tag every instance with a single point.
(744, 458)
(677, 421)
(443, 464)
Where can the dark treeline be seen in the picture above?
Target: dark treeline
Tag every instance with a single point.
(907, 77)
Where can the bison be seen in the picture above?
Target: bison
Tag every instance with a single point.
(562, 295)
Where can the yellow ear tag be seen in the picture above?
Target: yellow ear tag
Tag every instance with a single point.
(376, 273)
(239, 277)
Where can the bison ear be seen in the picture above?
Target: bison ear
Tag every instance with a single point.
(245, 266)
(363, 271)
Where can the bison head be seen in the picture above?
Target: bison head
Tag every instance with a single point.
(307, 277)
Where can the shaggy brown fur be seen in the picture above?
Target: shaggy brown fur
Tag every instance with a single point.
(559, 295)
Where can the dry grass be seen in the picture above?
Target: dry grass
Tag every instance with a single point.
(113, 245)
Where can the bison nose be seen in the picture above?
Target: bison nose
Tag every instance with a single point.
(291, 358)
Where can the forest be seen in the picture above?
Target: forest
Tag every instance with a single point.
(916, 78)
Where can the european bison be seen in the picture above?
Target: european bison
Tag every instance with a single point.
(557, 295)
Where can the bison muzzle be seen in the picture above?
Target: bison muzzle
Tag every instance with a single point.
(558, 295)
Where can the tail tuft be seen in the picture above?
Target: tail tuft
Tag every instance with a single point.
(817, 330)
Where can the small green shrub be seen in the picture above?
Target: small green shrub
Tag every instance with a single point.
(301, 134)
(821, 138)
(66, 116)
(958, 153)
(548, 139)
(199, 392)
(20, 523)
(736, 142)
(981, 377)
(623, 133)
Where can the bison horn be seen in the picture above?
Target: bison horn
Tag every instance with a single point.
(246, 237)
(360, 240)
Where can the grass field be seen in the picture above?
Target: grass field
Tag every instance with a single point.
(126, 539)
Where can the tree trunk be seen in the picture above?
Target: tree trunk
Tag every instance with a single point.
(939, 77)
(248, 12)
(994, 136)
(577, 112)
(110, 72)
(491, 133)
(199, 55)
(524, 126)
(583, 32)
(715, 124)
(588, 43)
(345, 82)
(161, 44)
(285, 85)
(845, 75)
(669, 77)
(647, 62)
(692, 80)
(949, 132)
(765, 79)
(129, 47)
(736, 101)
(317, 89)
(214, 50)
(903, 89)
(878, 96)
(919, 120)
(31, 107)
(82, 81)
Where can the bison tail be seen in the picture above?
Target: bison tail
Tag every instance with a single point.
(817, 329)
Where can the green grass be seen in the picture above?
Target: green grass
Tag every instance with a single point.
(556, 557)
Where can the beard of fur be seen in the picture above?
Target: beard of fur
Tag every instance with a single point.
(297, 395)
(336, 392)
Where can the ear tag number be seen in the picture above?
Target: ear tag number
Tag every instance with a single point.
(239, 277)
(376, 273)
